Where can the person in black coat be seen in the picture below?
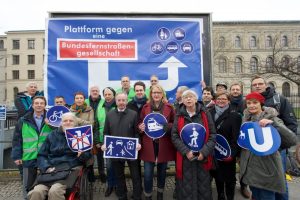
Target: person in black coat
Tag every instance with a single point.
(227, 124)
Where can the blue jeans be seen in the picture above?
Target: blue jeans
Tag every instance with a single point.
(261, 194)
(148, 176)
(111, 178)
(284, 196)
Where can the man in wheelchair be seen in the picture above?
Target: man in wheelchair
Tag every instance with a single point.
(59, 166)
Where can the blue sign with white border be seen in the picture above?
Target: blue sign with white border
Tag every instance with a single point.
(120, 147)
(54, 115)
(80, 138)
(3, 112)
(261, 141)
(193, 136)
(222, 148)
(154, 125)
(99, 51)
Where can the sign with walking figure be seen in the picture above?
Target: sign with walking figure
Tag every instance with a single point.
(120, 147)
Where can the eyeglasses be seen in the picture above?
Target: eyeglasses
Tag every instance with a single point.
(156, 92)
(153, 81)
(222, 99)
(257, 84)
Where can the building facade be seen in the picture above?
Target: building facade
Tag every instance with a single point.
(240, 50)
(243, 49)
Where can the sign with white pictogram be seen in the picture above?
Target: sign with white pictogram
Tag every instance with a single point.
(193, 135)
(54, 115)
(120, 147)
(2, 112)
(154, 125)
(80, 138)
(99, 51)
(259, 140)
(222, 148)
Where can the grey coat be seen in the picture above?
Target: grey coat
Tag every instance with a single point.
(266, 172)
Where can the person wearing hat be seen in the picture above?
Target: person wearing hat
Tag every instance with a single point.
(221, 87)
(264, 174)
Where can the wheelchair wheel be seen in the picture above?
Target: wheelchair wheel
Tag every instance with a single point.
(84, 186)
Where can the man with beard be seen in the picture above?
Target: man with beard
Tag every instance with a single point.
(237, 102)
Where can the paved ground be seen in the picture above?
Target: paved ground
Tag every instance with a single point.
(10, 189)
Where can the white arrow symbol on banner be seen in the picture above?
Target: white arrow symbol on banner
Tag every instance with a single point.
(98, 74)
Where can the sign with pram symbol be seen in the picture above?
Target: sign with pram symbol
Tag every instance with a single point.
(154, 123)
(120, 147)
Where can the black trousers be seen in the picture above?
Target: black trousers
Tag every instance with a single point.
(229, 188)
(119, 169)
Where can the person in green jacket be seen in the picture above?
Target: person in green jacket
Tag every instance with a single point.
(125, 82)
(30, 133)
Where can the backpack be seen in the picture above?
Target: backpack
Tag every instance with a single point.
(276, 100)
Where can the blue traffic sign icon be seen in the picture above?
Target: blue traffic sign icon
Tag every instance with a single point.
(2, 112)
(54, 115)
(193, 136)
(120, 147)
(222, 148)
(80, 138)
(259, 140)
(154, 125)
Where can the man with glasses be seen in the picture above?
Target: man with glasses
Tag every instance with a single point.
(285, 112)
(125, 83)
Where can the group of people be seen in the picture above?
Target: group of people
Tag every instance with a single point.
(38, 145)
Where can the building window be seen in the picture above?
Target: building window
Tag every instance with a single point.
(1, 44)
(31, 44)
(285, 62)
(221, 42)
(31, 59)
(269, 64)
(43, 43)
(31, 74)
(286, 89)
(252, 41)
(284, 41)
(16, 44)
(15, 74)
(16, 60)
(16, 91)
(237, 42)
(253, 65)
(238, 65)
(269, 42)
(222, 65)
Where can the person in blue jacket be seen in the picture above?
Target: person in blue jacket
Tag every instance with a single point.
(56, 155)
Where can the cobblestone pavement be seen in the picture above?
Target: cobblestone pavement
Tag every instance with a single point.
(10, 189)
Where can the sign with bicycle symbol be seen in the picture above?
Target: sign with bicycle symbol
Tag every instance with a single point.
(54, 115)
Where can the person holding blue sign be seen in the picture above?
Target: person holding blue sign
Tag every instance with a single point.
(156, 150)
(228, 125)
(55, 155)
(264, 173)
(192, 166)
(123, 122)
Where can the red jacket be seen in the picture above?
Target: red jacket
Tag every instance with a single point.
(167, 150)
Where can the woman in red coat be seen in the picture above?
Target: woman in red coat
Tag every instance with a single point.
(156, 151)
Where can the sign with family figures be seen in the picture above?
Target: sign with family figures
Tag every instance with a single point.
(54, 115)
(120, 147)
(222, 148)
(193, 135)
(154, 125)
(261, 141)
(80, 138)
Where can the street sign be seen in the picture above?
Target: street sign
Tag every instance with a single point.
(193, 136)
(54, 115)
(120, 147)
(154, 125)
(80, 138)
(2, 112)
(222, 148)
(259, 140)
(98, 51)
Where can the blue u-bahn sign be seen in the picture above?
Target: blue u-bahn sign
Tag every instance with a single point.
(98, 51)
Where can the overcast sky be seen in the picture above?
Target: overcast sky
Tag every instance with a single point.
(31, 14)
